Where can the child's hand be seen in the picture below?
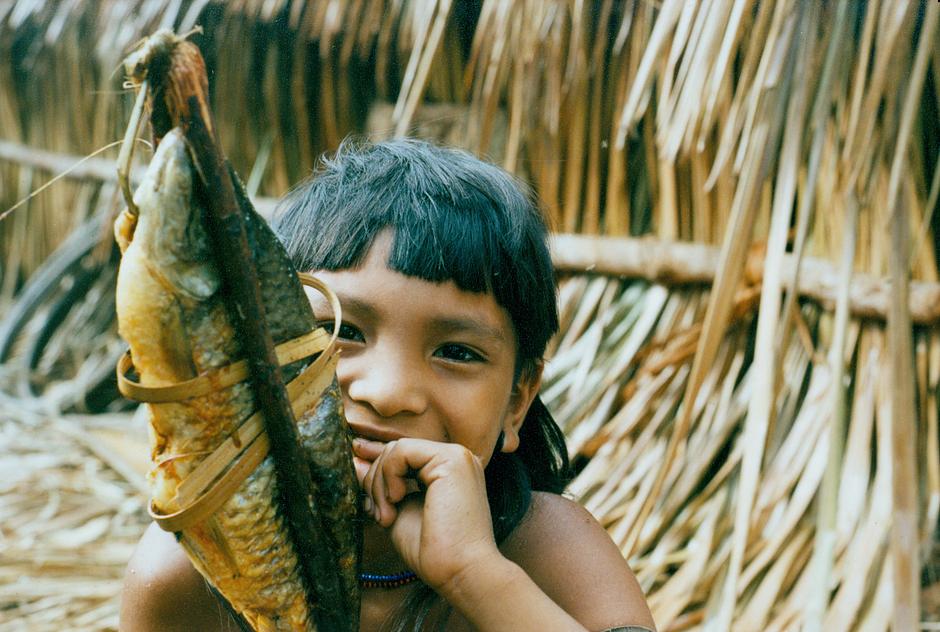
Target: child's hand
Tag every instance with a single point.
(442, 531)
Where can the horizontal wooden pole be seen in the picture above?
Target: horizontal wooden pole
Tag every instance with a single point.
(100, 169)
(664, 262)
(688, 262)
(81, 168)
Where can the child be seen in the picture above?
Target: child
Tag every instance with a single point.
(441, 265)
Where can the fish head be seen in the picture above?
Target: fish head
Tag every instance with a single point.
(170, 229)
(160, 44)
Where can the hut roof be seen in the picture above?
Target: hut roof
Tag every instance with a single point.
(774, 163)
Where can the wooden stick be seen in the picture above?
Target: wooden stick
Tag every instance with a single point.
(670, 263)
(675, 263)
(98, 169)
(827, 505)
(91, 169)
(186, 105)
(904, 545)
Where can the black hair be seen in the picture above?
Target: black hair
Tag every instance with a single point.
(454, 217)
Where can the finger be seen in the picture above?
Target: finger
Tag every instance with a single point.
(385, 511)
(410, 458)
(367, 449)
(400, 480)
(364, 453)
(404, 461)
(426, 460)
(367, 482)
(394, 473)
(406, 527)
(362, 468)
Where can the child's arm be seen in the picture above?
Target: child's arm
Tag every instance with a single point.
(560, 570)
(163, 592)
(499, 595)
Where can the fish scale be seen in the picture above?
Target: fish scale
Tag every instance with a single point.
(172, 314)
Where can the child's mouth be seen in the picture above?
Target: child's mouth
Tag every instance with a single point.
(373, 433)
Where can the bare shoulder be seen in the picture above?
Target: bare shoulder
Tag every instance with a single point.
(162, 590)
(573, 560)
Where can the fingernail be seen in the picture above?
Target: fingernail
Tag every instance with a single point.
(367, 504)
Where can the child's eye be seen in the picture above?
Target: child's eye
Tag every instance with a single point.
(458, 353)
(346, 331)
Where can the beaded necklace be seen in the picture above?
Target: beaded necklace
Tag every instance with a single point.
(374, 580)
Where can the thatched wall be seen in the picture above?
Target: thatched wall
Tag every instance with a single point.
(697, 390)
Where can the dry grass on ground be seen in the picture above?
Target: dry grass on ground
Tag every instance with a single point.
(71, 510)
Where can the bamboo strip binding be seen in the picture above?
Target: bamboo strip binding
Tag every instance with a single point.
(223, 471)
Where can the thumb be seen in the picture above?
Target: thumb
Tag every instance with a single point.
(406, 530)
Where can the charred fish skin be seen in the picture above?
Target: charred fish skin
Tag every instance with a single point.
(172, 313)
(325, 445)
(288, 310)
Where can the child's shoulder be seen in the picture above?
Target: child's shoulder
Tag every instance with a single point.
(563, 548)
(554, 521)
(162, 591)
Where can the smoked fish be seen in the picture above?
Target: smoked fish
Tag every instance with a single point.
(172, 313)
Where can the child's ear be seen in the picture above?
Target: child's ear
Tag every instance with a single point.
(523, 393)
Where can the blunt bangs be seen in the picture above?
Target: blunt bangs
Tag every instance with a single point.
(453, 216)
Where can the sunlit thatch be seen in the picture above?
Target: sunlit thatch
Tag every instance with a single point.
(699, 411)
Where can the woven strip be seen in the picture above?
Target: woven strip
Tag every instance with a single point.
(223, 471)
(287, 352)
(220, 474)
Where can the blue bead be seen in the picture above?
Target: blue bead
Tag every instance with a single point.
(376, 577)
(403, 576)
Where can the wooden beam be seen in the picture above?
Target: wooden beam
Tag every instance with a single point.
(669, 263)
(85, 168)
(672, 263)
(77, 167)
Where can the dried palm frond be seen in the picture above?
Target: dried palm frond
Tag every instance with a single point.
(70, 519)
(735, 403)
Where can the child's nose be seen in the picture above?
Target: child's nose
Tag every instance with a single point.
(388, 383)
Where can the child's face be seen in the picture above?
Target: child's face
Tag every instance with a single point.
(425, 360)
